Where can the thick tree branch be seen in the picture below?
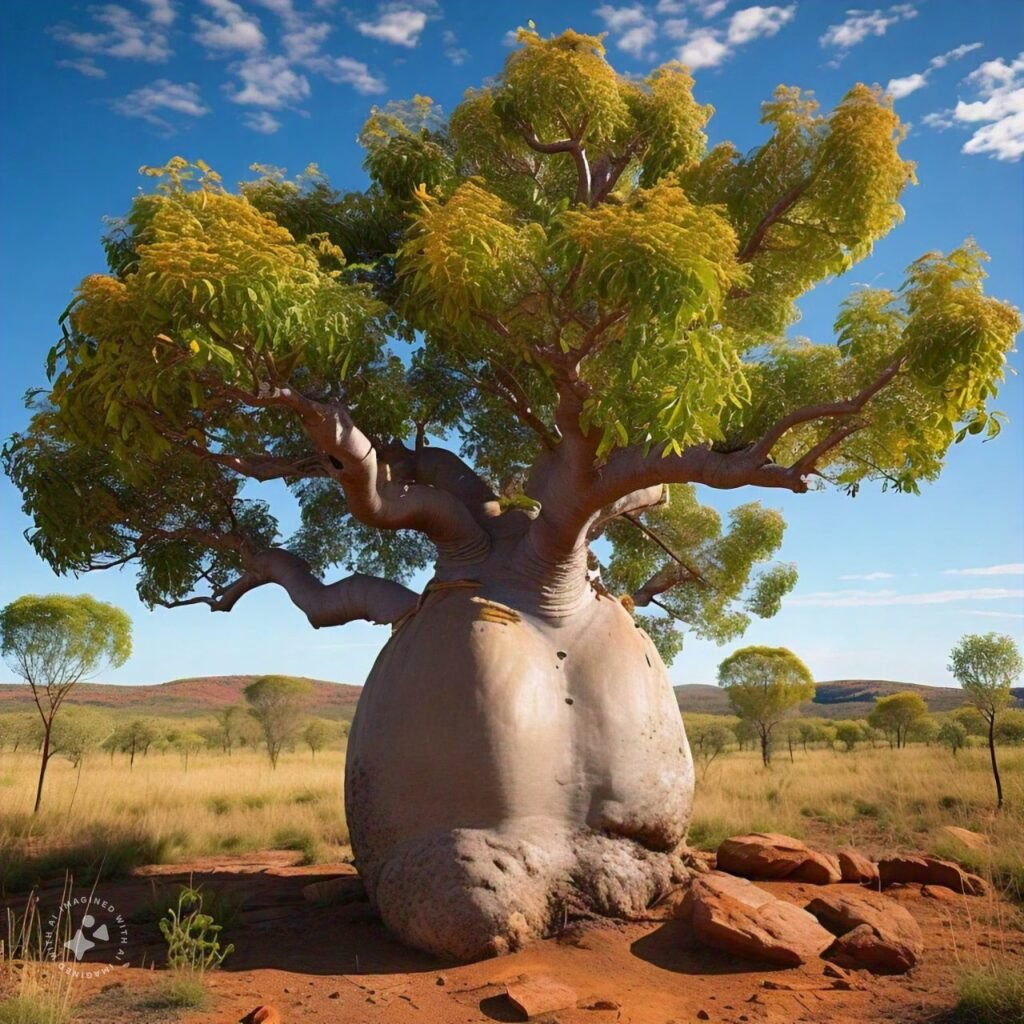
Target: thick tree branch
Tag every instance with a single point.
(753, 244)
(809, 413)
(334, 604)
(665, 579)
(571, 146)
(372, 498)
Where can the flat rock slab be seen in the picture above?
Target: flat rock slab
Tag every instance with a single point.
(734, 916)
(909, 868)
(534, 994)
(855, 867)
(770, 856)
(972, 840)
(874, 931)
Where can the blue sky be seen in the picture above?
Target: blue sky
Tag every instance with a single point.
(888, 583)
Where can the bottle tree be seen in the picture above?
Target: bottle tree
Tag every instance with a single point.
(545, 316)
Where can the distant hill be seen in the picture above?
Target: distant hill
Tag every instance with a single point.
(840, 698)
(199, 696)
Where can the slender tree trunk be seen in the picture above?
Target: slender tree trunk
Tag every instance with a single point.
(45, 760)
(766, 755)
(995, 766)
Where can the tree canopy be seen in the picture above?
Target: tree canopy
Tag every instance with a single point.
(896, 715)
(542, 310)
(762, 684)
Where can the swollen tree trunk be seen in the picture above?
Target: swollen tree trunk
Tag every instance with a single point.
(517, 756)
(992, 755)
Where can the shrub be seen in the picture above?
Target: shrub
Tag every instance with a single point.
(192, 937)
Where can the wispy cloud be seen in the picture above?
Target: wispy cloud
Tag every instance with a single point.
(120, 32)
(84, 66)
(262, 121)
(151, 102)
(1006, 569)
(888, 598)
(709, 47)
(860, 25)
(899, 88)
(995, 615)
(869, 576)
(346, 71)
(398, 25)
(456, 54)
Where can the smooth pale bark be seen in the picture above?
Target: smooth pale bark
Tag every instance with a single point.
(504, 765)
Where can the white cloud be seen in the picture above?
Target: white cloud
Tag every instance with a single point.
(999, 110)
(231, 28)
(703, 50)
(888, 598)
(270, 82)
(1007, 569)
(675, 28)
(869, 576)
(706, 8)
(162, 96)
(346, 71)
(262, 121)
(709, 47)
(161, 12)
(84, 66)
(996, 615)
(859, 25)
(121, 34)
(632, 28)
(753, 22)
(955, 54)
(302, 41)
(899, 88)
(401, 27)
(455, 53)
(510, 38)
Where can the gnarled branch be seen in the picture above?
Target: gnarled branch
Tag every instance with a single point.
(325, 604)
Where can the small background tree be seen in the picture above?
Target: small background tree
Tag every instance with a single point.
(277, 702)
(316, 735)
(849, 734)
(986, 666)
(54, 642)
(231, 723)
(896, 715)
(762, 684)
(953, 735)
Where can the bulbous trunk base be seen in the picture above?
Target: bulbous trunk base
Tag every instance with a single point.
(506, 773)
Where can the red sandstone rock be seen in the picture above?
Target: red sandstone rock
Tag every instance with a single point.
(535, 994)
(930, 871)
(767, 855)
(855, 867)
(874, 931)
(734, 916)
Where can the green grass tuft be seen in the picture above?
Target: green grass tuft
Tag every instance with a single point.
(990, 995)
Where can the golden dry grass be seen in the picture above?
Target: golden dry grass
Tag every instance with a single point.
(875, 798)
(878, 799)
(160, 812)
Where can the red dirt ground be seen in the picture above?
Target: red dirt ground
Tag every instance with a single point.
(336, 963)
